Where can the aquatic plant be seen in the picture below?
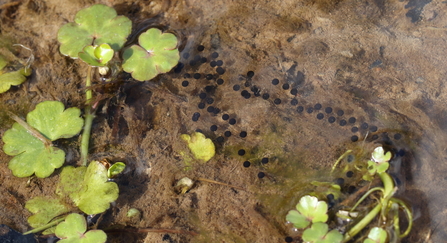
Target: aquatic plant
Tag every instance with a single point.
(30, 142)
(88, 189)
(156, 53)
(74, 230)
(201, 147)
(9, 78)
(309, 210)
(95, 36)
(95, 25)
(312, 212)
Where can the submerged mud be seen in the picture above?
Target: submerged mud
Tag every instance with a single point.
(282, 88)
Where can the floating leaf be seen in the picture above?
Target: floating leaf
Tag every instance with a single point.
(31, 154)
(201, 147)
(309, 209)
(374, 168)
(44, 210)
(74, 228)
(94, 25)
(318, 233)
(50, 119)
(7, 79)
(97, 56)
(379, 155)
(157, 53)
(93, 193)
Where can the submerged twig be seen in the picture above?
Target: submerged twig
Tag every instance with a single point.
(31, 130)
(11, 4)
(151, 230)
(220, 183)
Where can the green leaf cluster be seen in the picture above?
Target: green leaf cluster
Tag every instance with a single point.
(74, 230)
(378, 164)
(95, 25)
(32, 155)
(88, 189)
(97, 32)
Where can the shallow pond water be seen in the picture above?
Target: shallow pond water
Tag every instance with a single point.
(282, 87)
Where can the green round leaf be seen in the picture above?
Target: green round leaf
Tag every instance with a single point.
(315, 233)
(297, 219)
(318, 233)
(95, 193)
(73, 230)
(50, 119)
(379, 155)
(312, 209)
(157, 53)
(94, 25)
(31, 155)
(201, 147)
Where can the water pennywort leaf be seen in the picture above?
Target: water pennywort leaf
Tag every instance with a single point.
(32, 156)
(201, 147)
(74, 228)
(94, 25)
(318, 233)
(54, 121)
(89, 188)
(44, 210)
(7, 79)
(156, 53)
(309, 209)
(379, 155)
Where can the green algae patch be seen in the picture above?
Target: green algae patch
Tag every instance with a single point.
(202, 148)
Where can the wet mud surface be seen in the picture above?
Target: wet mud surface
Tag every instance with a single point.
(283, 88)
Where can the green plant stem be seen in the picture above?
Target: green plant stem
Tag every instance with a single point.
(409, 216)
(363, 223)
(339, 159)
(88, 116)
(388, 191)
(49, 225)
